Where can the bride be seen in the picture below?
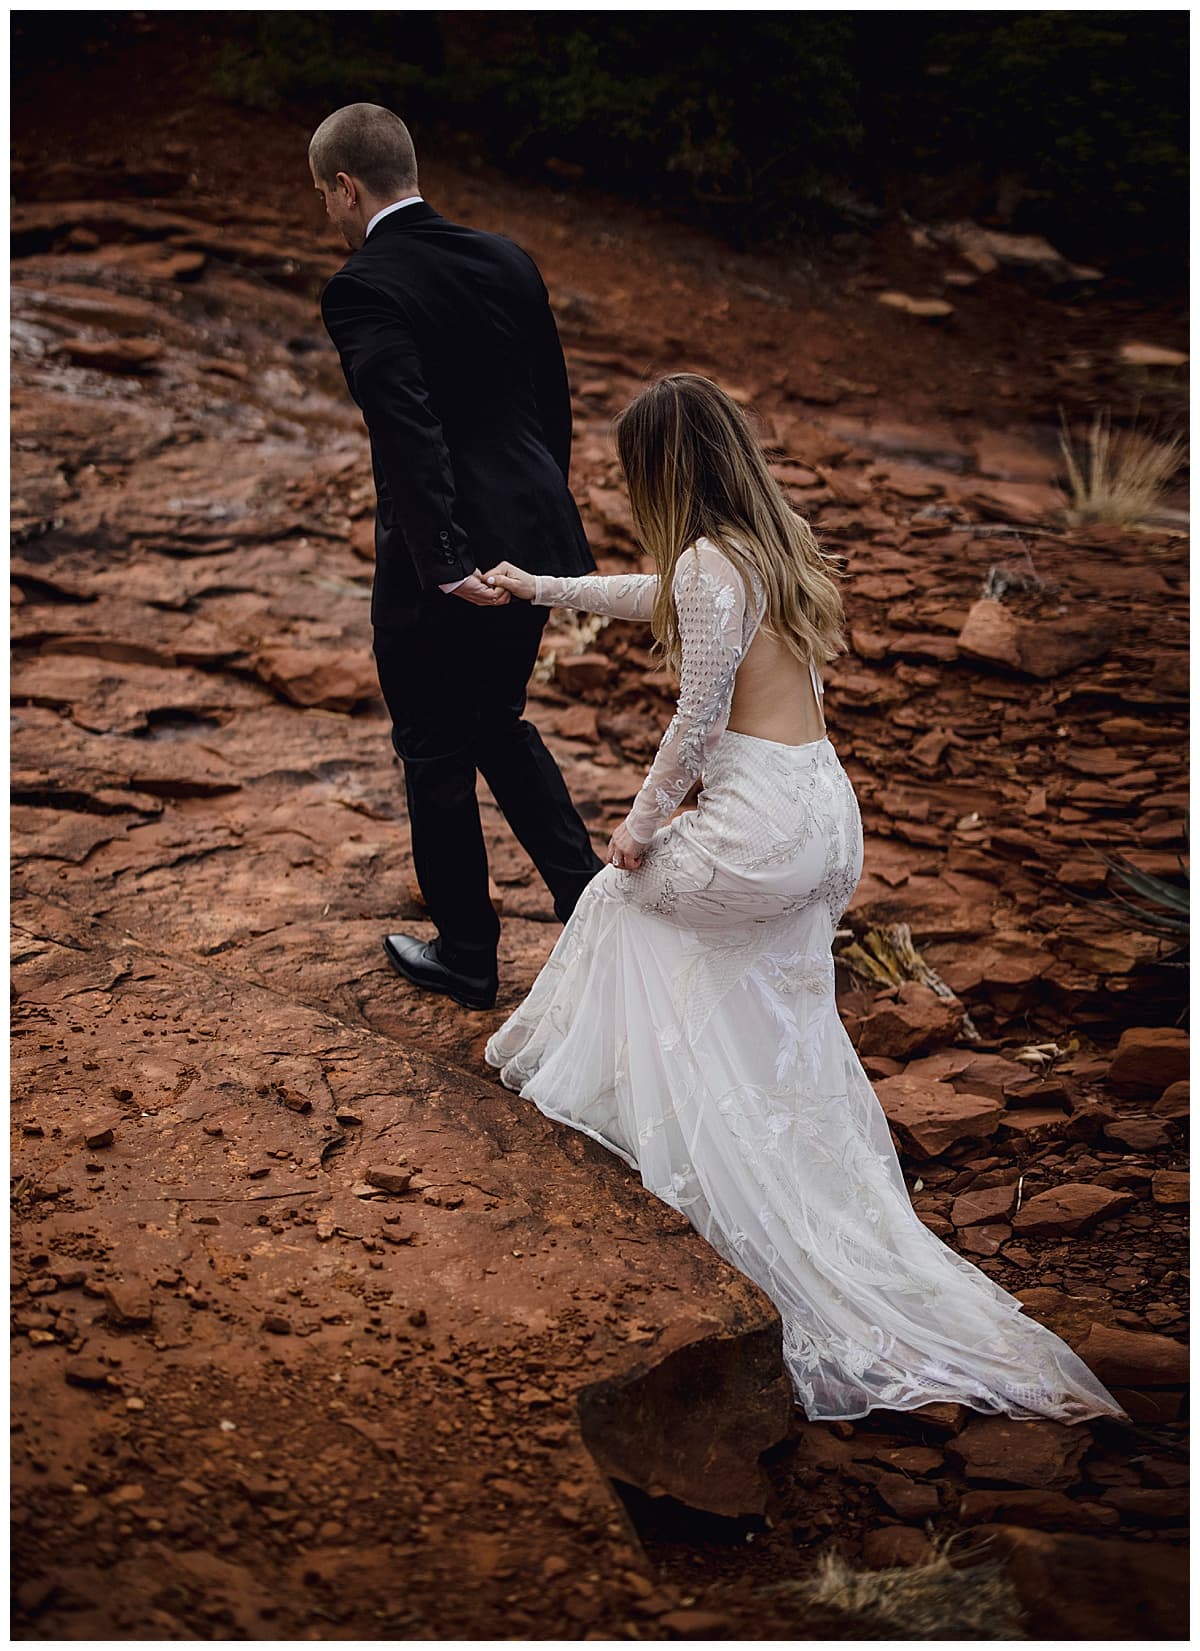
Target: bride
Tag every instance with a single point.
(686, 1017)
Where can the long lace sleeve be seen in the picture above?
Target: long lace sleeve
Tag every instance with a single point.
(620, 595)
(710, 600)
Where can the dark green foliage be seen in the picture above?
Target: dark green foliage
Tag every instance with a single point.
(742, 126)
(310, 59)
(1088, 111)
(759, 123)
(742, 123)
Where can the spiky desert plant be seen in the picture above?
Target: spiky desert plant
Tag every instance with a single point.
(1164, 908)
(1122, 475)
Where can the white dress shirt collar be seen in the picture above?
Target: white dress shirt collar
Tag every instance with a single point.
(409, 200)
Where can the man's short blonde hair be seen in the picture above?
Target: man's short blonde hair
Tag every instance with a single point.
(369, 143)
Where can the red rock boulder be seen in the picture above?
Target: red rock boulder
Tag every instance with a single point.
(1075, 1587)
(1149, 1058)
(1043, 648)
(1133, 1358)
(1035, 1454)
(918, 1019)
(929, 1117)
(1072, 1208)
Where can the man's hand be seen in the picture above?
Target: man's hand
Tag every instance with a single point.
(473, 589)
(624, 851)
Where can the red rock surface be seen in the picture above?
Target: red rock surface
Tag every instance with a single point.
(1131, 1359)
(998, 1450)
(929, 1117)
(253, 1385)
(1088, 1587)
(1149, 1058)
(1070, 1208)
(918, 1020)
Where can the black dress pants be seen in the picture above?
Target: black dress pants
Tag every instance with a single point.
(454, 678)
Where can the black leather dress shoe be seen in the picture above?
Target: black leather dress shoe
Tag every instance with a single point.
(418, 962)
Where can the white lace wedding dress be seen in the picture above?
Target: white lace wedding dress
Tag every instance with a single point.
(686, 1020)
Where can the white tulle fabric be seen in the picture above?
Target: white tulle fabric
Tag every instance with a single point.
(686, 1020)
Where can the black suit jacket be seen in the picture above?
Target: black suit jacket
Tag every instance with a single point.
(449, 347)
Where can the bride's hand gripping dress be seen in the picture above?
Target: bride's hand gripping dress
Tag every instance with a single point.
(686, 1020)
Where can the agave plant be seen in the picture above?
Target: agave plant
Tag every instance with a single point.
(1164, 906)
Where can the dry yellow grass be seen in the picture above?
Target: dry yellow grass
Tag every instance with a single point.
(1121, 476)
(937, 1600)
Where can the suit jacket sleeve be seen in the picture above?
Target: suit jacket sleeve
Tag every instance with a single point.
(551, 387)
(382, 362)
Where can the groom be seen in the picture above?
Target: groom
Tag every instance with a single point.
(449, 347)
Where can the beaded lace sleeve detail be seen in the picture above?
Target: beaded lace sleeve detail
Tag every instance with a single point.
(715, 630)
(619, 595)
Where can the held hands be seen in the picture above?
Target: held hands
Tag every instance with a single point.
(475, 588)
(512, 582)
(625, 852)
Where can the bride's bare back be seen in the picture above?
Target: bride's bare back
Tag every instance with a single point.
(774, 697)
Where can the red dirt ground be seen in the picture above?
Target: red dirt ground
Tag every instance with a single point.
(257, 1395)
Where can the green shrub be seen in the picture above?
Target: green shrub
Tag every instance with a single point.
(744, 125)
(271, 60)
(1074, 124)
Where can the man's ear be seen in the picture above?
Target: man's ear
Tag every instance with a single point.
(347, 184)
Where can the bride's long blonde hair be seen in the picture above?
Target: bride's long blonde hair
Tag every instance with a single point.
(695, 470)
